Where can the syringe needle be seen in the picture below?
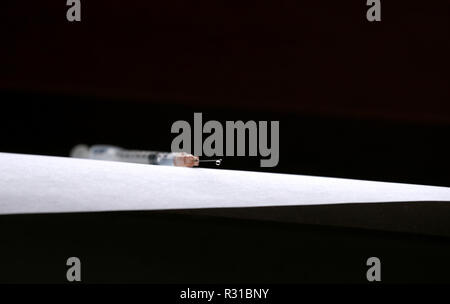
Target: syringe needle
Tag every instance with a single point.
(217, 161)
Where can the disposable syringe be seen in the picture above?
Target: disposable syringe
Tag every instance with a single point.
(113, 153)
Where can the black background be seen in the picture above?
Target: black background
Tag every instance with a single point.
(325, 146)
(354, 99)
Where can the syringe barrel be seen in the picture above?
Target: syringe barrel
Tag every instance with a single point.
(112, 153)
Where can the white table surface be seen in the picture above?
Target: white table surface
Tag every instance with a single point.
(44, 184)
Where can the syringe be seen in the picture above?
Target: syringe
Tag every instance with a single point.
(113, 153)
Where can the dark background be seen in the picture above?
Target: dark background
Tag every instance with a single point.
(354, 99)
